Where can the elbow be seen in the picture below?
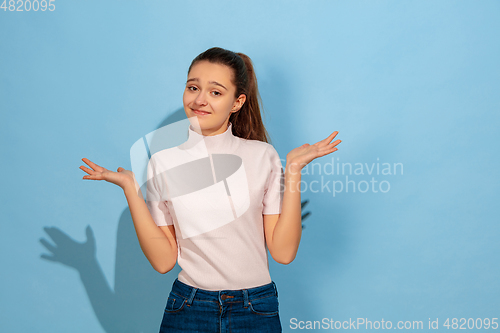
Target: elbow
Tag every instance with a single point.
(166, 264)
(164, 268)
(285, 260)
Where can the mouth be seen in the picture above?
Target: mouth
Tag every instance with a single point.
(201, 112)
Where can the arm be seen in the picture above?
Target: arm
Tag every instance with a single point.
(158, 243)
(283, 231)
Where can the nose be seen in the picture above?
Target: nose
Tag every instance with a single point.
(200, 99)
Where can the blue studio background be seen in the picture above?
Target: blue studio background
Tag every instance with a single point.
(403, 222)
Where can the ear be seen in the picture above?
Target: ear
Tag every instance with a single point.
(238, 104)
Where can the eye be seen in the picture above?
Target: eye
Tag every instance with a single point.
(216, 93)
(192, 88)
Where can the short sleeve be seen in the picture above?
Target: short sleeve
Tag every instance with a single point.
(273, 193)
(155, 201)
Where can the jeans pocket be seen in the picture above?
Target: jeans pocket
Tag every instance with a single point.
(268, 306)
(175, 303)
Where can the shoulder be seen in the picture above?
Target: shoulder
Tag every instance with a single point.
(257, 146)
(156, 157)
(262, 152)
(167, 158)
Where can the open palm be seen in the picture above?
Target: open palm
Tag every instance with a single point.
(301, 156)
(121, 177)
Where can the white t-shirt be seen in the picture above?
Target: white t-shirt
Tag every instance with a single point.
(214, 190)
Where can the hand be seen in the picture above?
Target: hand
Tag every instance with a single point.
(68, 251)
(121, 178)
(301, 156)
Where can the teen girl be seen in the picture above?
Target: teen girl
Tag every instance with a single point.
(216, 210)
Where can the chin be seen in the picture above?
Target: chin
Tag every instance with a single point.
(200, 122)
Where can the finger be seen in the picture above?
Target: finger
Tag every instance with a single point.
(87, 170)
(47, 257)
(47, 245)
(57, 235)
(91, 164)
(331, 137)
(326, 150)
(336, 142)
(328, 139)
(93, 177)
(330, 146)
(90, 234)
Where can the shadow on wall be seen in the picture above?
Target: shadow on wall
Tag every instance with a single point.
(137, 302)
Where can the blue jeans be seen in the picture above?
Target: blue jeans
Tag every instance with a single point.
(191, 309)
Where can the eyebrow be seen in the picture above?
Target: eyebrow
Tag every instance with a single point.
(211, 82)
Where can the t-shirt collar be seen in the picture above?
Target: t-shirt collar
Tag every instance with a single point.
(225, 142)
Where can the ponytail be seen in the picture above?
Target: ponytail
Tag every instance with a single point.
(247, 122)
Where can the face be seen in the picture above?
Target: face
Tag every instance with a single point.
(209, 96)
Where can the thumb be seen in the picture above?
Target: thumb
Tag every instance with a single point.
(90, 234)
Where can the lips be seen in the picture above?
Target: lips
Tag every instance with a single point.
(201, 112)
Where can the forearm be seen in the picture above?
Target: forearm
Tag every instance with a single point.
(288, 229)
(157, 248)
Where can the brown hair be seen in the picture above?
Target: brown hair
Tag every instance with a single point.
(246, 122)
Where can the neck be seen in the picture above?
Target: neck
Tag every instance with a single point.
(214, 142)
(209, 132)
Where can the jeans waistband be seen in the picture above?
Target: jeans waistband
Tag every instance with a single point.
(221, 296)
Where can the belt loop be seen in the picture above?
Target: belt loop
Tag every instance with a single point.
(275, 289)
(245, 298)
(191, 297)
